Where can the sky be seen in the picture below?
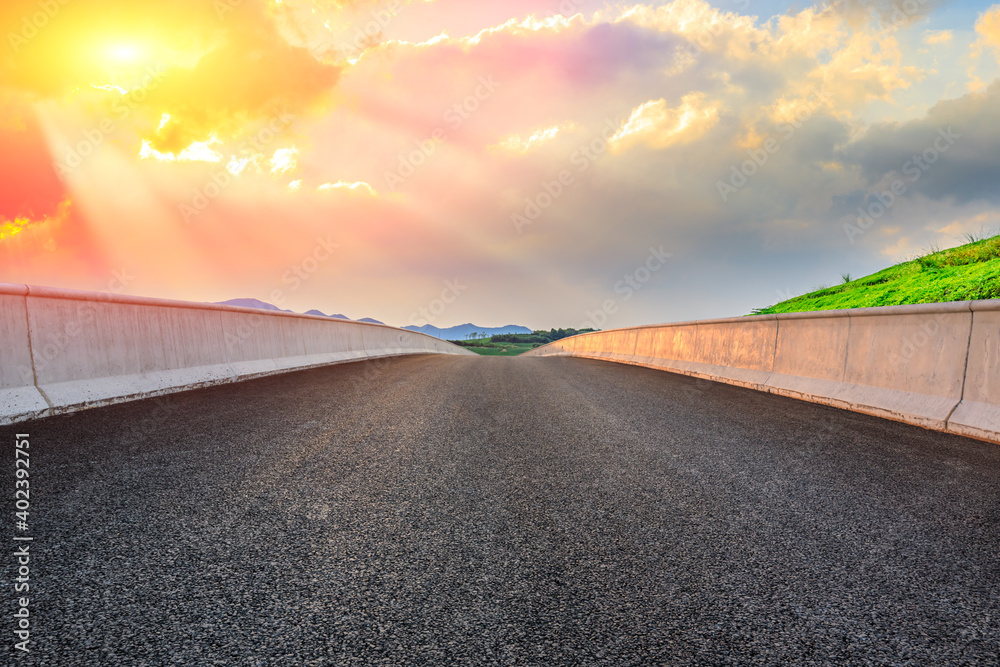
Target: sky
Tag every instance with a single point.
(548, 163)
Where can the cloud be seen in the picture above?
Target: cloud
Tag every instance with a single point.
(657, 126)
(249, 75)
(616, 124)
(284, 160)
(11, 228)
(988, 37)
(812, 73)
(964, 172)
(359, 187)
(216, 67)
(518, 144)
(888, 15)
(988, 26)
(199, 151)
(935, 37)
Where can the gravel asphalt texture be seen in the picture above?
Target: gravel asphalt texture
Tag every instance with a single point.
(503, 511)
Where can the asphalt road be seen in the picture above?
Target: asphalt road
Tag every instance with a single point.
(512, 511)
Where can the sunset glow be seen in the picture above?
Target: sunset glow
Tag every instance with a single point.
(205, 147)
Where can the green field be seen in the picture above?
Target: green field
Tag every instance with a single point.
(490, 349)
(968, 272)
(511, 345)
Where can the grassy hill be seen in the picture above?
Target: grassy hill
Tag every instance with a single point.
(968, 272)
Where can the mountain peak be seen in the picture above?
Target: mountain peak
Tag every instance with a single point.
(464, 331)
(251, 303)
(263, 305)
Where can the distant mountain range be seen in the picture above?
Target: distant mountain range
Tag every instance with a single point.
(460, 332)
(263, 305)
(463, 331)
(320, 313)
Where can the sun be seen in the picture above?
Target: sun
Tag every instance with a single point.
(125, 53)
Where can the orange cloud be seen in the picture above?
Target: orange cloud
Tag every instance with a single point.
(360, 187)
(988, 27)
(252, 73)
(11, 228)
(216, 66)
(933, 37)
(657, 126)
(518, 144)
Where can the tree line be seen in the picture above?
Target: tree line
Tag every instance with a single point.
(537, 337)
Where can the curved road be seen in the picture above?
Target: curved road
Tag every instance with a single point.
(509, 511)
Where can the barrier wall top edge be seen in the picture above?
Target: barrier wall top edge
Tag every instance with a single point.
(15, 289)
(42, 292)
(991, 304)
(912, 309)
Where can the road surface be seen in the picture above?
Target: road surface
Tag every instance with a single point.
(508, 511)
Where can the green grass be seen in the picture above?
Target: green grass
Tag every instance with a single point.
(968, 272)
(511, 345)
(489, 349)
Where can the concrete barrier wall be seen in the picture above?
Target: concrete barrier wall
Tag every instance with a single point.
(64, 350)
(933, 365)
(978, 415)
(18, 394)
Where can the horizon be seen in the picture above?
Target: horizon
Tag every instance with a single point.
(551, 164)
